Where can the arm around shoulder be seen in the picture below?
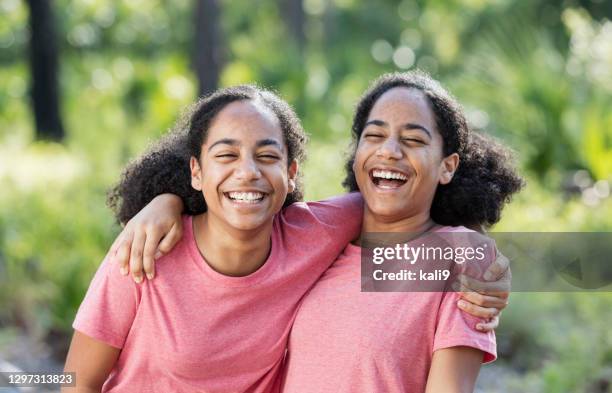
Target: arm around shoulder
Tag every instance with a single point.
(343, 212)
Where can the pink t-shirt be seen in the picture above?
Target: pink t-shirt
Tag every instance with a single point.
(192, 329)
(344, 340)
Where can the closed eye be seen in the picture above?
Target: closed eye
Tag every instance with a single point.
(269, 157)
(412, 140)
(373, 136)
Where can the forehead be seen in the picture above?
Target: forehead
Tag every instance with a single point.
(246, 121)
(404, 105)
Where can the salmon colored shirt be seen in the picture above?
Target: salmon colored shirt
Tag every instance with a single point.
(347, 341)
(192, 329)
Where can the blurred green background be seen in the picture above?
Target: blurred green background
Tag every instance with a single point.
(536, 74)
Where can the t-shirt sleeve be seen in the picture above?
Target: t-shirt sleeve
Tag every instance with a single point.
(458, 328)
(109, 308)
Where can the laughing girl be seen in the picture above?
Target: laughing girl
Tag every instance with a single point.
(218, 316)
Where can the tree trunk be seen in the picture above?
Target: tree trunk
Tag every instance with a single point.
(44, 69)
(207, 52)
(293, 15)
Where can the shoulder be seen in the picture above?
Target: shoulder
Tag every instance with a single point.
(109, 307)
(463, 236)
(110, 281)
(181, 255)
(473, 252)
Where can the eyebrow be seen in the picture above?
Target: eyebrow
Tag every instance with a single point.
(268, 142)
(235, 142)
(407, 126)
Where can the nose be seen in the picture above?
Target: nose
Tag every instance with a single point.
(248, 170)
(390, 149)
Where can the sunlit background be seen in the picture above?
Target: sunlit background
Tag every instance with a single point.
(107, 78)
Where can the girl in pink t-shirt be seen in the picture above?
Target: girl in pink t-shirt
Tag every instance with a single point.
(419, 172)
(410, 138)
(218, 317)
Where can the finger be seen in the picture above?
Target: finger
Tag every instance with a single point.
(136, 254)
(170, 240)
(492, 324)
(483, 300)
(477, 311)
(122, 257)
(497, 268)
(500, 288)
(151, 242)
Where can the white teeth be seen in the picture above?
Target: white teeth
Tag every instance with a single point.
(388, 175)
(250, 197)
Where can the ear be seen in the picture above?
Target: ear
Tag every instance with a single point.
(448, 167)
(196, 174)
(292, 172)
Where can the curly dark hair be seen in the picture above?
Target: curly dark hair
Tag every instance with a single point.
(485, 179)
(164, 168)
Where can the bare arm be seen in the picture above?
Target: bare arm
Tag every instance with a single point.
(454, 370)
(91, 361)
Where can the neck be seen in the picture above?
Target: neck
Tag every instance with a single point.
(417, 223)
(231, 251)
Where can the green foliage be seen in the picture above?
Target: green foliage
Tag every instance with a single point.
(541, 337)
(51, 243)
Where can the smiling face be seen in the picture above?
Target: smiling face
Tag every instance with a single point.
(399, 160)
(243, 171)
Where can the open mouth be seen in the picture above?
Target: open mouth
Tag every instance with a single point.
(247, 198)
(387, 179)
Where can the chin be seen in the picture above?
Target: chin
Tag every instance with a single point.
(246, 224)
(384, 210)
